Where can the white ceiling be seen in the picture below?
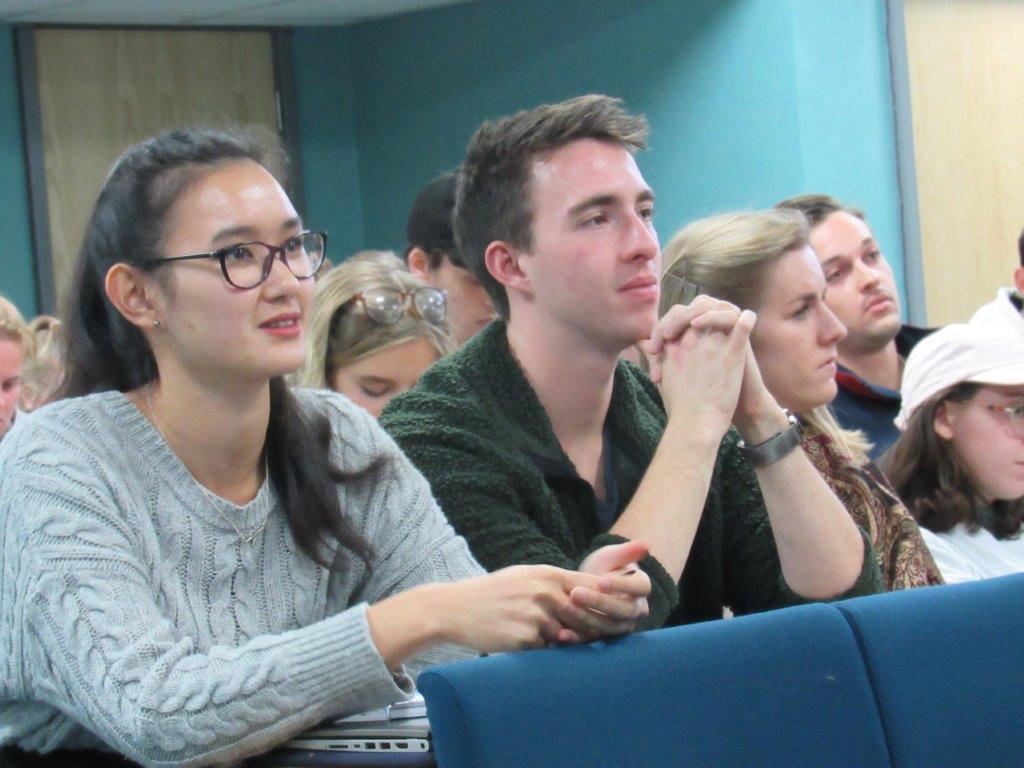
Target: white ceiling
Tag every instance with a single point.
(245, 13)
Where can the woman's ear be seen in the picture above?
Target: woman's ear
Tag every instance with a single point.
(943, 422)
(133, 295)
(418, 262)
(502, 261)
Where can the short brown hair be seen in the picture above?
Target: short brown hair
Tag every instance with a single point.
(816, 208)
(493, 202)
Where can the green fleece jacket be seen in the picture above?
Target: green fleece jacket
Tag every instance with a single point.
(475, 427)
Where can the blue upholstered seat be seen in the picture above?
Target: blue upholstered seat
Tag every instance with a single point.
(948, 666)
(926, 678)
(787, 688)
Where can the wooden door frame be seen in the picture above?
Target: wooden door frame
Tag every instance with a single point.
(32, 135)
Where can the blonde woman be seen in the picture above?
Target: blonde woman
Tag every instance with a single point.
(15, 347)
(375, 329)
(44, 372)
(762, 262)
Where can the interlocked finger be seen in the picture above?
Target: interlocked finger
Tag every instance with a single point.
(616, 607)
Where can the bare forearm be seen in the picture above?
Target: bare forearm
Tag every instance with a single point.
(406, 624)
(668, 504)
(820, 549)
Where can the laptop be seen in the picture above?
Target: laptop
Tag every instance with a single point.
(407, 735)
(398, 735)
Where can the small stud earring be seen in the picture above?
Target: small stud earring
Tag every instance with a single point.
(156, 323)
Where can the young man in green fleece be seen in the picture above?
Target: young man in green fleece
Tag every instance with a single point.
(542, 447)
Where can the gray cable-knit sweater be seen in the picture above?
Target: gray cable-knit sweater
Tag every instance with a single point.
(132, 616)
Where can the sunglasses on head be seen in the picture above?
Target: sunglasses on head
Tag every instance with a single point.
(387, 305)
(689, 290)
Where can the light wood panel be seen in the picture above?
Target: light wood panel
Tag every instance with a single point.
(967, 105)
(102, 90)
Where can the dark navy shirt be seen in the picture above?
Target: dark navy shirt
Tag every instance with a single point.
(607, 509)
(870, 408)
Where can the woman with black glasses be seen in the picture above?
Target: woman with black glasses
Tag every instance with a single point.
(374, 330)
(198, 563)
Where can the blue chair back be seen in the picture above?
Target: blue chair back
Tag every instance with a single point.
(947, 664)
(786, 688)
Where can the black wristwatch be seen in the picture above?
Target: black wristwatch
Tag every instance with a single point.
(776, 446)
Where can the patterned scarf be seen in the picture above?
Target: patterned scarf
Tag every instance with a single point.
(874, 506)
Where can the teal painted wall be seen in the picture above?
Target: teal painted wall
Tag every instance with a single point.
(749, 101)
(322, 60)
(698, 69)
(845, 106)
(17, 270)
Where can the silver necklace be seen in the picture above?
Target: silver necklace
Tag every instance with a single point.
(249, 536)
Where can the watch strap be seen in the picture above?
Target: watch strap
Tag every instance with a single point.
(775, 447)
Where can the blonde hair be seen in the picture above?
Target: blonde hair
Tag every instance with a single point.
(728, 256)
(13, 326)
(340, 333)
(44, 371)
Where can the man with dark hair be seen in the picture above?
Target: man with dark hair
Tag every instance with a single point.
(1008, 306)
(862, 294)
(541, 446)
(432, 256)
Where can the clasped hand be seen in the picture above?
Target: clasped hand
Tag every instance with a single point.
(532, 606)
(701, 357)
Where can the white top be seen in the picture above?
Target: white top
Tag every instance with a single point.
(965, 556)
(1001, 310)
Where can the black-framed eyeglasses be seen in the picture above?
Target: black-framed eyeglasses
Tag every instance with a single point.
(387, 305)
(247, 265)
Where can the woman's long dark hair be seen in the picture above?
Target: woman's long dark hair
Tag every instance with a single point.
(933, 482)
(105, 351)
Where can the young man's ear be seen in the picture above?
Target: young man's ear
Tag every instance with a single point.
(943, 424)
(502, 261)
(418, 262)
(133, 294)
(1018, 280)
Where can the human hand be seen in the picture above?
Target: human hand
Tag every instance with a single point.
(758, 414)
(614, 558)
(754, 395)
(702, 371)
(703, 312)
(591, 614)
(523, 606)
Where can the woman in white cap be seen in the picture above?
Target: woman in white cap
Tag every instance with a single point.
(959, 464)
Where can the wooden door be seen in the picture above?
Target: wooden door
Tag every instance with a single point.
(102, 90)
(967, 107)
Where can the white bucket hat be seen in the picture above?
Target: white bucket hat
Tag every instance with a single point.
(982, 353)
